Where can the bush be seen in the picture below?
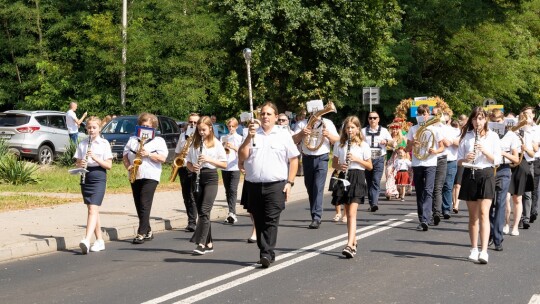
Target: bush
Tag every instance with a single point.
(4, 148)
(66, 159)
(15, 171)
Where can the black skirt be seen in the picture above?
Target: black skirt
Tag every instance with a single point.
(354, 192)
(244, 201)
(521, 180)
(459, 175)
(95, 183)
(481, 187)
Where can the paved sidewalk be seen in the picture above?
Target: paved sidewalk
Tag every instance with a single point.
(26, 233)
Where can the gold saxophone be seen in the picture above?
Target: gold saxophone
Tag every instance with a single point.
(426, 138)
(136, 162)
(315, 140)
(180, 160)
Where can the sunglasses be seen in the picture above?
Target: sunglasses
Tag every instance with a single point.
(372, 118)
(282, 120)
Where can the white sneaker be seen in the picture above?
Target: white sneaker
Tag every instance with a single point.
(231, 218)
(483, 257)
(514, 233)
(84, 245)
(506, 229)
(474, 255)
(99, 245)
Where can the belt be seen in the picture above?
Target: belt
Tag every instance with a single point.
(403, 171)
(267, 183)
(503, 166)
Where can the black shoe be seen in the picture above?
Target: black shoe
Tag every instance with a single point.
(533, 218)
(436, 219)
(139, 239)
(498, 247)
(422, 227)
(455, 210)
(190, 228)
(199, 250)
(265, 262)
(251, 241)
(374, 208)
(447, 216)
(314, 224)
(526, 224)
(149, 236)
(520, 224)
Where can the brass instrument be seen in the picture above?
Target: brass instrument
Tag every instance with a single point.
(83, 174)
(134, 170)
(522, 122)
(180, 160)
(426, 138)
(315, 140)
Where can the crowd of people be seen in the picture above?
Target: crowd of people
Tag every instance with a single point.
(484, 159)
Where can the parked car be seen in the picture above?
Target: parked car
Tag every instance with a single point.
(222, 129)
(121, 128)
(40, 135)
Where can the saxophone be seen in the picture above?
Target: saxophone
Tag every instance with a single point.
(180, 160)
(315, 140)
(426, 138)
(133, 172)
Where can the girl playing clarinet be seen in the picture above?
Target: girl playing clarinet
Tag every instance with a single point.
(94, 154)
(352, 156)
(204, 157)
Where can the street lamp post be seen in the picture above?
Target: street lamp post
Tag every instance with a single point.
(124, 54)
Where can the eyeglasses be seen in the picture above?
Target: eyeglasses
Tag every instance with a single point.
(282, 120)
(372, 118)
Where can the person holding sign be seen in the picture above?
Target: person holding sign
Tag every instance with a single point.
(151, 152)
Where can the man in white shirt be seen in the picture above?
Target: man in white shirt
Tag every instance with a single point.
(377, 138)
(315, 163)
(73, 122)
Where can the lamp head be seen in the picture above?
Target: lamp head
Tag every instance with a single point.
(247, 54)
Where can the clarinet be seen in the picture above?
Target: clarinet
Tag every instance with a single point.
(474, 150)
(83, 174)
(348, 160)
(198, 176)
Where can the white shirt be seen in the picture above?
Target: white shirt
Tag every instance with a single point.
(536, 139)
(528, 138)
(490, 142)
(451, 134)
(363, 151)
(71, 122)
(268, 160)
(149, 169)
(325, 147)
(431, 161)
(402, 164)
(216, 152)
(509, 142)
(374, 140)
(100, 147)
(232, 157)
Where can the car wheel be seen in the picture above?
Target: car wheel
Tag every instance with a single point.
(45, 155)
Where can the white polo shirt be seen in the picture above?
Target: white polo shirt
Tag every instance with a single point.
(71, 122)
(149, 169)
(374, 137)
(451, 134)
(528, 138)
(232, 157)
(509, 141)
(216, 152)
(100, 147)
(431, 160)
(268, 160)
(325, 147)
(490, 142)
(363, 151)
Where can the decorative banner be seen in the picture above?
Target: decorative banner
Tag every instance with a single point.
(491, 107)
(145, 132)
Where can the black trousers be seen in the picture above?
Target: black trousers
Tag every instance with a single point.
(143, 194)
(187, 195)
(230, 181)
(266, 201)
(208, 183)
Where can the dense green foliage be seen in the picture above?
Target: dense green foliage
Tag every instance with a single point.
(185, 56)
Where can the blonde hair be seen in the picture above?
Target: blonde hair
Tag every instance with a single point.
(232, 120)
(94, 119)
(358, 138)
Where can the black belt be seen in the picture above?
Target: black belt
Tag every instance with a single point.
(403, 171)
(503, 166)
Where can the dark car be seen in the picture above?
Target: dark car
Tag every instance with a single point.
(118, 131)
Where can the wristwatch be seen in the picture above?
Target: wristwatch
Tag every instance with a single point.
(290, 183)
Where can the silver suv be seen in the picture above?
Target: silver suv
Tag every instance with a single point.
(40, 135)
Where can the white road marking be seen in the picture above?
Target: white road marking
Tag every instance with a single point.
(535, 299)
(227, 276)
(253, 276)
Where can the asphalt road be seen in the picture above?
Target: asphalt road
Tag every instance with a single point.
(395, 264)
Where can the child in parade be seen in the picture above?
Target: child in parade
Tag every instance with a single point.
(401, 165)
(204, 157)
(352, 156)
(231, 174)
(94, 154)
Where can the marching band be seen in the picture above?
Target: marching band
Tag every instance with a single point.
(494, 159)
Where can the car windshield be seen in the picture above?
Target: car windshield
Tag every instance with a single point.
(120, 126)
(13, 120)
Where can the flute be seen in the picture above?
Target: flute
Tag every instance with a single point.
(83, 174)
